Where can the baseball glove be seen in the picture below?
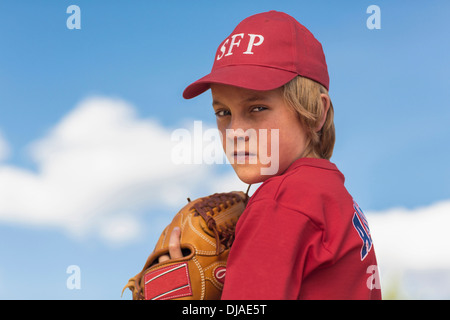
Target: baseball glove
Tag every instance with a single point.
(207, 232)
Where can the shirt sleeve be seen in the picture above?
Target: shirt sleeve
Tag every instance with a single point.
(273, 250)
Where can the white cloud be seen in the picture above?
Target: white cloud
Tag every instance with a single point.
(99, 168)
(121, 229)
(411, 246)
(415, 239)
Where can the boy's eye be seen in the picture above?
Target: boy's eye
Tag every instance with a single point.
(258, 108)
(222, 113)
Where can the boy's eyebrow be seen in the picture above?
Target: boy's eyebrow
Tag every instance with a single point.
(255, 98)
(249, 99)
(216, 102)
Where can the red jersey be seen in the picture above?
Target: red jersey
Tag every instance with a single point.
(302, 237)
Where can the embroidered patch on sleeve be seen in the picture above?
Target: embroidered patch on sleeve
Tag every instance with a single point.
(168, 283)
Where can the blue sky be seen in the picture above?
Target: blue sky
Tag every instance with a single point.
(389, 88)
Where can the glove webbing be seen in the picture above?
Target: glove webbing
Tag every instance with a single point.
(205, 209)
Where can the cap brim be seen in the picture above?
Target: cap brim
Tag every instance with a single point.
(251, 77)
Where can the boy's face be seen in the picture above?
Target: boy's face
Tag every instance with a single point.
(261, 135)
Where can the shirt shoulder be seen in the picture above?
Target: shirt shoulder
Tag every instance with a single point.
(305, 186)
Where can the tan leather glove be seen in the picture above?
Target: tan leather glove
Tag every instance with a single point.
(207, 232)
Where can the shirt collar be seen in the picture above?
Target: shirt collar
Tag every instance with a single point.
(312, 162)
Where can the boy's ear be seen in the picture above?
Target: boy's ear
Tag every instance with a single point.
(326, 106)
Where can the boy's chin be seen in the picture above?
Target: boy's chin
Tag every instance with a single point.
(249, 174)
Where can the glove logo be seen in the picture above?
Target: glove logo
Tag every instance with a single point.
(219, 274)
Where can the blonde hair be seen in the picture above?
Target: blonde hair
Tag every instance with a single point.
(303, 96)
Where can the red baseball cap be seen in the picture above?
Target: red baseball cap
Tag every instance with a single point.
(264, 52)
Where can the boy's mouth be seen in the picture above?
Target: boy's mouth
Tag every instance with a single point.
(243, 156)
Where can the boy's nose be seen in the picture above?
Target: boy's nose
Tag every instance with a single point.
(238, 125)
(238, 133)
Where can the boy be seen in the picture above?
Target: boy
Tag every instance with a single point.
(301, 236)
